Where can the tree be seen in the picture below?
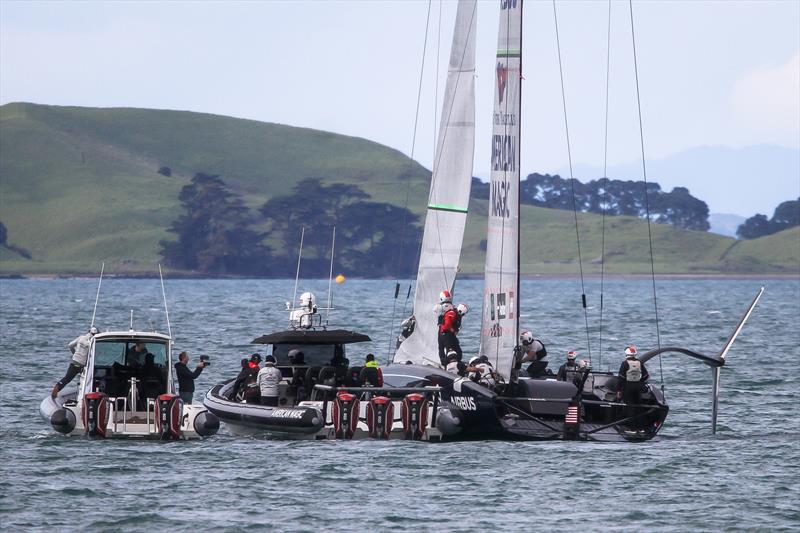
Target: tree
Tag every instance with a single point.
(786, 215)
(367, 233)
(214, 236)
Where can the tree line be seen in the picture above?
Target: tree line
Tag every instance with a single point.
(614, 197)
(786, 215)
(218, 234)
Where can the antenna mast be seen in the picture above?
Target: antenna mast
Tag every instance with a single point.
(97, 296)
(297, 273)
(164, 295)
(330, 278)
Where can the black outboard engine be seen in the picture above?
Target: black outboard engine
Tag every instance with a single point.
(95, 414)
(345, 415)
(168, 421)
(63, 420)
(415, 415)
(380, 415)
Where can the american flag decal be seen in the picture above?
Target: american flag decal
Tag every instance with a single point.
(572, 415)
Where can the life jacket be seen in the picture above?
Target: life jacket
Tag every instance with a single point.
(442, 310)
(456, 320)
(634, 372)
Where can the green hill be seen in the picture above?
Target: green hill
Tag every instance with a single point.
(81, 185)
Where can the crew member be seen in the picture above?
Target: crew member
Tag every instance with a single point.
(186, 377)
(252, 392)
(232, 395)
(268, 379)
(570, 366)
(481, 371)
(371, 375)
(136, 356)
(632, 377)
(533, 351)
(449, 326)
(80, 354)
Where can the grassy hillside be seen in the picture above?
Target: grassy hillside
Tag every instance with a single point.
(80, 185)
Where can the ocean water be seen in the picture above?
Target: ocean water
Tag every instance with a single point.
(747, 477)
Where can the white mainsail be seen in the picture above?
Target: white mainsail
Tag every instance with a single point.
(500, 321)
(449, 195)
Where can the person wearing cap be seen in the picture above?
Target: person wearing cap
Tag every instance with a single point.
(79, 348)
(632, 377)
(186, 377)
(371, 375)
(533, 351)
(268, 379)
(570, 366)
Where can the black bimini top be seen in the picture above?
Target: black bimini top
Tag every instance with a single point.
(312, 336)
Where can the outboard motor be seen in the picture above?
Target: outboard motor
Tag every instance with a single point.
(63, 420)
(415, 415)
(345, 415)
(168, 421)
(206, 424)
(380, 416)
(95, 414)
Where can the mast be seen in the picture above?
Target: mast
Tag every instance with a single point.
(500, 321)
(451, 180)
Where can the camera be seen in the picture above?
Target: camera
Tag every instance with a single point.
(205, 360)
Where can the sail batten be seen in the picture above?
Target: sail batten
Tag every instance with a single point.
(448, 200)
(500, 320)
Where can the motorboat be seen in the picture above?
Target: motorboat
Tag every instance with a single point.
(121, 394)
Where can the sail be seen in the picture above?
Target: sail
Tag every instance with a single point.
(500, 321)
(449, 195)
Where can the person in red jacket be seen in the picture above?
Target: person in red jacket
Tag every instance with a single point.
(449, 326)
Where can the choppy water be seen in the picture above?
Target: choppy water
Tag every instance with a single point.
(745, 477)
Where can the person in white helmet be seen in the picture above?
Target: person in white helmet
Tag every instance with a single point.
(449, 321)
(533, 351)
(570, 366)
(80, 354)
(632, 377)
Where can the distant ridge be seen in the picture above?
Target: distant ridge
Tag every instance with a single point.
(81, 185)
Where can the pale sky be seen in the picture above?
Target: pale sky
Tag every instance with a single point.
(723, 73)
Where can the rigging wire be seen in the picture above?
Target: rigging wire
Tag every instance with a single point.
(408, 180)
(572, 184)
(605, 190)
(646, 199)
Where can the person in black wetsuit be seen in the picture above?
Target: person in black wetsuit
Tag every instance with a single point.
(239, 379)
(186, 377)
(632, 377)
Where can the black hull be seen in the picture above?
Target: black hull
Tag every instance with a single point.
(538, 409)
(283, 420)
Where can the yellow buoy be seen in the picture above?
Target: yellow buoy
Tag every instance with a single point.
(340, 278)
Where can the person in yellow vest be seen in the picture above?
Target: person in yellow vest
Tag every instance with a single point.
(632, 377)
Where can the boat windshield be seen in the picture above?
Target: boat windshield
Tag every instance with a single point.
(129, 353)
(314, 354)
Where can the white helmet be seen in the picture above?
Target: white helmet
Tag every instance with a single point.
(462, 309)
(630, 351)
(475, 360)
(93, 330)
(585, 364)
(444, 297)
(307, 300)
(526, 337)
(571, 355)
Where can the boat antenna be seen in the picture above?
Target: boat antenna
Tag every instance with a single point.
(646, 199)
(164, 295)
(297, 273)
(131, 320)
(330, 279)
(97, 296)
(572, 185)
(604, 203)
